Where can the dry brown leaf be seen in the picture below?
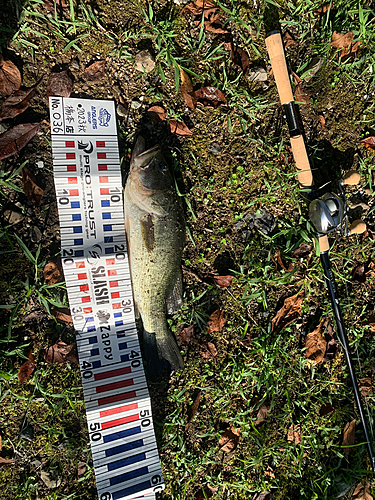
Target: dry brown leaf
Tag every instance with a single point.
(198, 7)
(61, 353)
(288, 40)
(16, 138)
(332, 345)
(194, 408)
(6, 461)
(187, 90)
(229, 440)
(179, 128)
(326, 409)
(290, 311)
(50, 5)
(358, 274)
(239, 57)
(95, 71)
(210, 96)
(52, 272)
(26, 369)
(369, 142)
(1, 443)
(262, 414)
(187, 334)
(301, 95)
(16, 103)
(281, 263)
(216, 321)
(33, 192)
(316, 344)
(362, 492)
(303, 251)
(365, 386)
(325, 7)
(59, 84)
(294, 434)
(81, 469)
(207, 492)
(10, 77)
(348, 437)
(157, 113)
(211, 347)
(322, 121)
(62, 314)
(269, 472)
(223, 281)
(214, 27)
(204, 352)
(341, 40)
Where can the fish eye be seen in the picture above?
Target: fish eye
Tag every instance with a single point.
(162, 166)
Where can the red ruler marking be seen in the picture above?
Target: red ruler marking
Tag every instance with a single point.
(70, 156)
(104, 191)
(115, 385)
(113, 373)
(117, 397)
(120, 409)
(120, 421)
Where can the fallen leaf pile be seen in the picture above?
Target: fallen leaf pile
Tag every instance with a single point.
(210, 12)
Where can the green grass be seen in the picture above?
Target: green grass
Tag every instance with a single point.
(254, 170)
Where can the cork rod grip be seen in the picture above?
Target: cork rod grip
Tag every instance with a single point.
(323, 244)
(301, 159)
(275, 49)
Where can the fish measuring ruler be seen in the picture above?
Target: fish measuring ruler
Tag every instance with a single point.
(95, 262)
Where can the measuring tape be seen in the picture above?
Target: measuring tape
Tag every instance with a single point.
(96, 267)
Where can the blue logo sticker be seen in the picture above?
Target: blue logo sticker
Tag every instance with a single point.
(104, 117)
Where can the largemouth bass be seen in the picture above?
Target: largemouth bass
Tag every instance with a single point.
(155, 231)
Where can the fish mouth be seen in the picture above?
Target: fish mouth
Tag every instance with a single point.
(142, 160)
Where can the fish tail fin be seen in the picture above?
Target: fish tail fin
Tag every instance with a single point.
(160, 351)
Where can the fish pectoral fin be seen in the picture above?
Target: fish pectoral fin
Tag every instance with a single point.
(174, 301)
(151, 206)
(147, 231)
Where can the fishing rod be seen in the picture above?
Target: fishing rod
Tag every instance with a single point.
(327, 213)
